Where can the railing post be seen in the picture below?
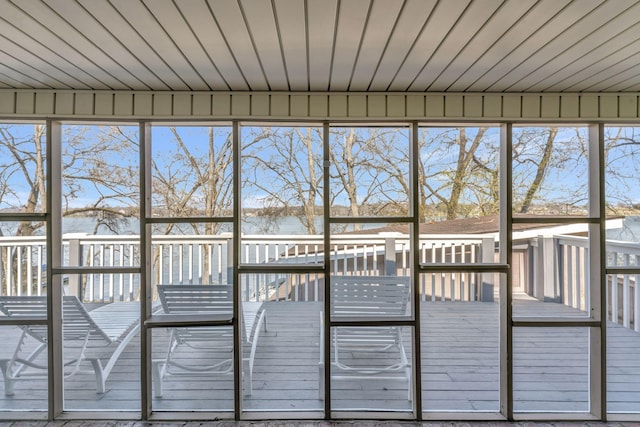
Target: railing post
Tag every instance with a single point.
(75, 260)
(487, 255)
(230, 258)
(390, 267)
(546, 283)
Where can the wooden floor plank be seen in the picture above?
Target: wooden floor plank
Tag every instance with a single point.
(460, 368)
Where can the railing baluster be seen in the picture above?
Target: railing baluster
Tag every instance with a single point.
(3, 263)
(19, 269)
(404, 253)
(571, 297)
(200, 262)
(452, 278)
(210, 263)
(181, 263)
(39, 268)
(90, 263)
(443, 277)
(160, 278)
(131, 264)
(111, 275)
(101, 278)
(219, 258)
(433, 275)
(29, 278)
(190, 266)
(626, 297)
(614, 298)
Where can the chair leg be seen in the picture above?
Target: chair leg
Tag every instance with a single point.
(9, 381)
(157, 368)
(247, 377)
(100, 377)
(321, 380)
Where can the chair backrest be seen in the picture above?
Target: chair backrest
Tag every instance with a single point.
(369, 296)
(76, 320)
(196, 298)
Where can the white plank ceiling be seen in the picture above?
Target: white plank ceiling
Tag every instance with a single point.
(322, 45)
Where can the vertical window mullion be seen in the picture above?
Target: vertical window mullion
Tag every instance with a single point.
(237, 340)
(146, 254)
(597, 273)
(414, 211)
(54, 260)
(326, 355)
(506, 243)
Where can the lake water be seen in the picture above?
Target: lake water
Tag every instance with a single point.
(630, 230)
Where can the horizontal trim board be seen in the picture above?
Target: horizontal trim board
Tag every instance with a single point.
(358, 106)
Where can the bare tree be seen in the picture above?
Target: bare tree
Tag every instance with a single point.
(458, 171)
(550, 167)
(622, 169)
(543, 152)
(282, 170)
(23, 161)
(370, 170)
(192, 176)
(98, 175)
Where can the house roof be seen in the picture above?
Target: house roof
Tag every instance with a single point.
(475, 225)
(321, 45)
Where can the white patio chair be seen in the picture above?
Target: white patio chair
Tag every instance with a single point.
(206, 350)
(98, 337)
(367, 352)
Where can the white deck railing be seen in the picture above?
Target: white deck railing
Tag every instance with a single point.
(558, 271)
(556, 267)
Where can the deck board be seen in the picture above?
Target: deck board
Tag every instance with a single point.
(460, 368)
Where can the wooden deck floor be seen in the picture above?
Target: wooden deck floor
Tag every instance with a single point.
(460, 369)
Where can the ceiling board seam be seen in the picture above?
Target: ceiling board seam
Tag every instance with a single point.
(413, 44)
(556, 37)
(515, 48)
(601, 59)
(195, 70)
(33, 68)
(253, 44)
(195, 36)
(10, 78)
(362, 36)
(621, 82)
(539, 29)
(52, 52)
(226, 43)
(123, 46)
(634, 85)
(333, 46)
(98, 47)
(144, 40)
(442, 40)
(582, 56)
(490, 47)
(41, 59)
(79, 34)
(502, 36)
(586, 89)
(386, 45)
(306, 44)
(454, 57)
(280, 45)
